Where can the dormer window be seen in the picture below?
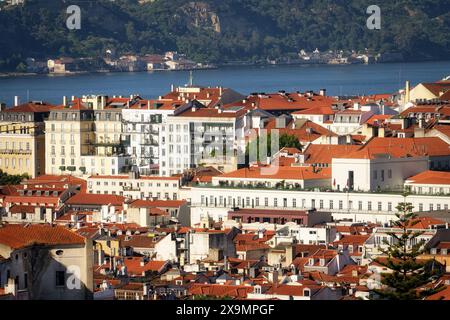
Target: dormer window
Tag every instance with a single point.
(257, 290)
(306, 292)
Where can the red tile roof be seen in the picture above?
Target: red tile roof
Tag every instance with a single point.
(157, 203)
(441, 295)
(18, 236)
(400, 148)
(282, 173)
(31, 107)
(430, 177)
(218, 290)
(324, 153)
(95, 199)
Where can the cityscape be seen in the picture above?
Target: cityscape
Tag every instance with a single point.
(207, 193)
(300, 152)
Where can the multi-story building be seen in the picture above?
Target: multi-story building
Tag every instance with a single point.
(142, 124)
(22, 138)
(196, 135)
(135, 186)
(374, 207)
(85, 137)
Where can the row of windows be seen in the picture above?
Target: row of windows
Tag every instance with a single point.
(92, 171)
(13, 145)
(15, 163)
(313, 203)
(143, 195)
(83, 161)
(141, 184)
(382, 176)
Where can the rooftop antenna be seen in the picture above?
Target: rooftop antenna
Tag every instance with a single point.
(191, 79)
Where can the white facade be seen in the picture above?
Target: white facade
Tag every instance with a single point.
(188, 141)
(143, 187)
(143, 127)
(383, 173)
(359, 207)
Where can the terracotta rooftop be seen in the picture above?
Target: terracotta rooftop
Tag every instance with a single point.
(281, 173)
(17, 236)
(430, 177)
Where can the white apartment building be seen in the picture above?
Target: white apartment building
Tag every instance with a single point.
(308, 235)
(142, 124)
(135, 186)
(359, 207)
(196, 135)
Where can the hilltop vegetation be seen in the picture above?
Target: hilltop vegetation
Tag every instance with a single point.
(223, 30)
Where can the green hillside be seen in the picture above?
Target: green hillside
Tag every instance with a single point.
(226, 30)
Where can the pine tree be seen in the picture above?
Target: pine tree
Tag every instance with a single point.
(408, 274)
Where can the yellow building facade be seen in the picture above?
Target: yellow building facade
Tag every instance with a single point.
(22, 139)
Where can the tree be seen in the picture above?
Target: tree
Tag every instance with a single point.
(285, 141)
(408, 274)
(6, 179)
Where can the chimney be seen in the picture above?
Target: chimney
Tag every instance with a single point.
(323, 92)
(172, 88)
(220, 91)
(73, 98)
(280, 122)
(407, 92)
(273, 277)
(64, 101)
(405, 123)
(11, 287)
(16, 101)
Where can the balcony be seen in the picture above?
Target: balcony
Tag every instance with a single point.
(131, 188)
(15, 151)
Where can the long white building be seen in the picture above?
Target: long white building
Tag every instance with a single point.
(359, 207)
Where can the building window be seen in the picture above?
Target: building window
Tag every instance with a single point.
(369, 205)
(341, 204)
(331, 204)
(294, 203)
(60, 278)
(389, 206)
(275, 202)
(360, 205)
(379, 206)
(321, 204)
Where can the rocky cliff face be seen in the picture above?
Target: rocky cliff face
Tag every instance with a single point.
(199, 14)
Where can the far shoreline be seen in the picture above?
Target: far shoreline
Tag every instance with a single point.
(6, 75)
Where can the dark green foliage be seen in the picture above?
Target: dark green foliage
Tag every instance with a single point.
(6, 179)
(286, 140)
(250, 30)
(408, 273)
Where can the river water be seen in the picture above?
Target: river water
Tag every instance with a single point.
(338, 80)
